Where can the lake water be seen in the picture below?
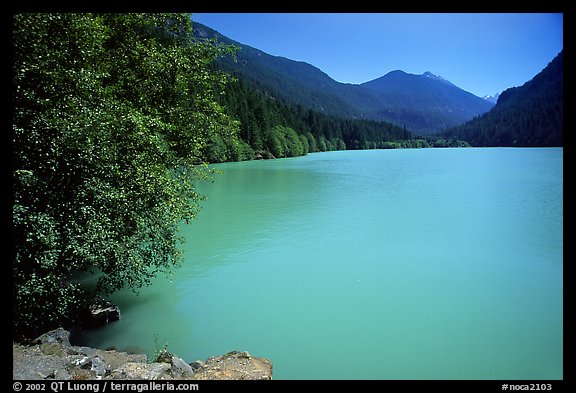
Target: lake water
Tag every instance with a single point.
(383, 264)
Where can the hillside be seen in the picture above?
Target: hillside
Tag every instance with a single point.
(421, 104)
(529, 115)
(433, 101)
(296, 82)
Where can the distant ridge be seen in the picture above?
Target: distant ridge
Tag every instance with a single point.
(492, 98)
(424, 103)
(438, 101)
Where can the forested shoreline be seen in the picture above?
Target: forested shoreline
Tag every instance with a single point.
(269, 127)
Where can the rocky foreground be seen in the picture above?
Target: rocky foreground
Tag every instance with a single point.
(53, 357)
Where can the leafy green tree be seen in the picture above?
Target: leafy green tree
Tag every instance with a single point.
(340, 145)
(322, 144)
(304, 142)
(217, 150)
(276, 142)
(112, 117)
(294, 146)
(311, 142)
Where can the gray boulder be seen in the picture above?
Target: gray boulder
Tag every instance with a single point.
(101, 312)
(180, 368)
(98, 366)
(59, 336)
(234, 365)
(142, 371)
(197, 364)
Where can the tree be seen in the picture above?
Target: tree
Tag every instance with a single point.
(276, 142)
(112, 117)
(294, 145)
(304, 142)
(322, 146)
(311, 142)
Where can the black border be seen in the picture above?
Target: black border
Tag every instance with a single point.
(360, 6)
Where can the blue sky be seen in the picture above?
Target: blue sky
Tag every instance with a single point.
(481, 53)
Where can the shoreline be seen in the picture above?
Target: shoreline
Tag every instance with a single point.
(52, 357)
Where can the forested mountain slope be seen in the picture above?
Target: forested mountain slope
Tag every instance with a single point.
(421, 103)
(529, 115)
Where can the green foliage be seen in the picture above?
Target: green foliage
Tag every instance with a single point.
(284, 142)
(429, 141)
(440, 142)
(113, 115)
(322, 144)
(305, 145)
(312, 147)
(161, 353)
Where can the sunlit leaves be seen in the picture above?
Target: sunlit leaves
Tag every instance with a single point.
(112, 117)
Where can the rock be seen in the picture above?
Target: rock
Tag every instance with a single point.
(239, 354)
(142, 371)
(59, 335)
(32, 363)
(85, 362)
(54, 358)
(180, 368)
(235, 365)
(101, 312)
(62, 374)
(164, 357)
(98, 366)
(54, 349)
(114, 359)
(197, 364)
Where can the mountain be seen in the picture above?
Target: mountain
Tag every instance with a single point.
(437, 102)
(296, 82)
(427, 105)
(493, 99)
(529, 115)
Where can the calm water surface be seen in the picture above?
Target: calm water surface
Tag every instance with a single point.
(384, 264)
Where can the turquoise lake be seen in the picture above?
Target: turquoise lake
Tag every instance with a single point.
(380, 264)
